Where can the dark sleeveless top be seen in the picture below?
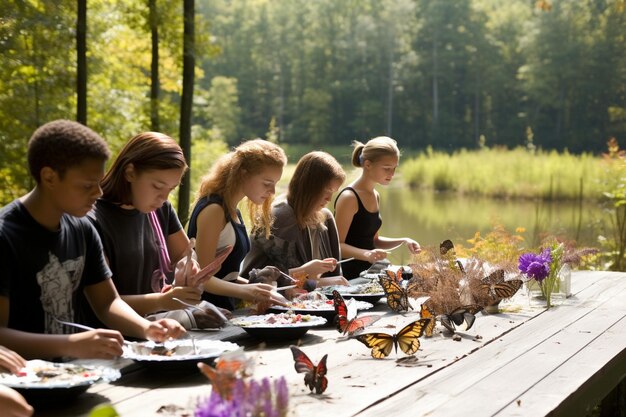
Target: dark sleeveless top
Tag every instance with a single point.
(234, 259)
(361, 234)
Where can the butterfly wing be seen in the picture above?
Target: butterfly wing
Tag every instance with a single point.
(425, 313)
(320, 382)
(463, 317)
(380, 343)
(408, 338)
(359, 323)
(447, 323)
(223, 381)
(342, 312)
(302, 363)
(397, 297)
(446, 246)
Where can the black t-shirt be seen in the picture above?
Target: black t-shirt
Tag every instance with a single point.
(130, 244)
(42, 271)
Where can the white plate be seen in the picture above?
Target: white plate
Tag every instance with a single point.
(43, 374)
(260, 322)
(179, 350)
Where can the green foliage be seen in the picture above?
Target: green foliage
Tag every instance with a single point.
(615, 203)
(498, 172)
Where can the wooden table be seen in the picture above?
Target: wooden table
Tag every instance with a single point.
(528, 362)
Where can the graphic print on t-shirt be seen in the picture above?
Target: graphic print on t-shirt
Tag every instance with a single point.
(58, 281)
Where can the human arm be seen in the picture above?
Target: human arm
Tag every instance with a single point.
(99, 343)
(117, 314)
(345, 209)
(392, 243)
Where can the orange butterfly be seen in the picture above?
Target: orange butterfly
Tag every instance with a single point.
(347, 321)
(315, 375)
(425, 313)
(407, 339)
(397, 296)
(228, 368)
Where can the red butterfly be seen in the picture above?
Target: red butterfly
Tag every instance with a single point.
(347, 322)
(315, 375)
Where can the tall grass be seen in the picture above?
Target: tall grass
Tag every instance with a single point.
(516, 173)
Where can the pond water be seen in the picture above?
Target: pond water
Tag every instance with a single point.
(430, 218)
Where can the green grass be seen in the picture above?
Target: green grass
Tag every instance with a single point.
(515, 173)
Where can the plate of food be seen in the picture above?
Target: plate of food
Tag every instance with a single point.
(278, 326)
(369, 292)
(44, 383)
(176, 354)
(319, 305)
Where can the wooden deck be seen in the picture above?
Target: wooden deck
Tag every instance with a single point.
(524, 362)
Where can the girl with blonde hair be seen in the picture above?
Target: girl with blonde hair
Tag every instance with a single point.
(250, 171)
(357, 207)
(304, 234)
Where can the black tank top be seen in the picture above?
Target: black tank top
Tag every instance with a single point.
(363, 228)
(233, 261)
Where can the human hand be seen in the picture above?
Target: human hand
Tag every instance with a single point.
(318, 267)
(190, 295)
(11, 360)
(13, 404)
(375, 255)
(96, 344)
(163, 329)
(412, 246)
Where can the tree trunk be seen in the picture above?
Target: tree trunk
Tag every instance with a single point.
(154, 67)
(186, 102)
(81, 62)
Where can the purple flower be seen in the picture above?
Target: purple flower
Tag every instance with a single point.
(536, 266)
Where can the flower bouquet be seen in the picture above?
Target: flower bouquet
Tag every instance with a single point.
(550, 270)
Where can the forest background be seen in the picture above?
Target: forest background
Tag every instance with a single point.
(448, 79)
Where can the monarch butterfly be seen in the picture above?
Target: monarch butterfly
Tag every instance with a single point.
(495, 285)
(425, 313)
(407, 339)
(395, 276)
(397, 297)
(461, 318)
(228, 368)
(347, 322)
(314, 375)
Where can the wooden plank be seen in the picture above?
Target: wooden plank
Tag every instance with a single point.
(438, 391)
(601, 365)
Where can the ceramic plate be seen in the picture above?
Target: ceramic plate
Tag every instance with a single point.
(323, 308)
(281, 326)
(45, 383)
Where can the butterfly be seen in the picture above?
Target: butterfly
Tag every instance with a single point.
(495, 285)
(395, 276)
(397, 296)
(407, 339)
(228, 368)
(447, 246)
(425, 313)
(347, 322)
(461, 318)
(315, 375)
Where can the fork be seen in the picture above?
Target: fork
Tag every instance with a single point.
(82, 327)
